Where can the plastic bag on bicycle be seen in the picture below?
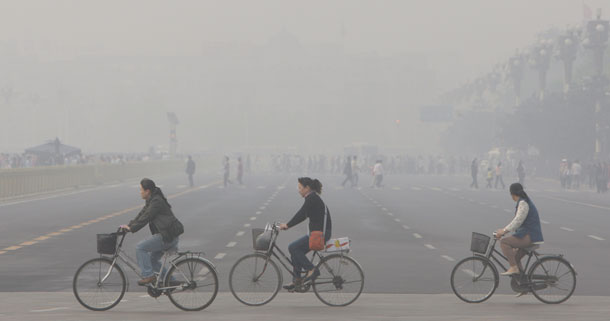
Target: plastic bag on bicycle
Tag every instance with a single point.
(341, 244)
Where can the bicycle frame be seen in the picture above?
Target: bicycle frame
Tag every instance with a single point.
(131, 263)
(274, 249)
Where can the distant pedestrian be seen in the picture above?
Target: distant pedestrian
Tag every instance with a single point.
(355, 170)
(490, 177)
(227, 171)
(378, 174)
(190, 170)
(499, 176)
(240, 171)
(521, 173)
(576, 174)
(474, 171)
(347, 171)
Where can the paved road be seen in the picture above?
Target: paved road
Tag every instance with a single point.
(406, 236)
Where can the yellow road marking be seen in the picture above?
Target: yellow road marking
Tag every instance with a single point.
(125, 211)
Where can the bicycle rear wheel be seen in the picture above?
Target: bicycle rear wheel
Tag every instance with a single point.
(255, 279)
(553, 280)
(99, 286)
(196, 284)
(474, 279)
(340, 282)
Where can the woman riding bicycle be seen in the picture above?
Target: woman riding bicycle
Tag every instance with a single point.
(525, 227)
(164, 227)
(315, 210)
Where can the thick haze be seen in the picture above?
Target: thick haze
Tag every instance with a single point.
(315, 75)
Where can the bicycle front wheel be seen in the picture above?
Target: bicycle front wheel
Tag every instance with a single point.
(340, 282)
(553, 280)
(98, 285)
(255, 279)
(192, 283)
(474, 279)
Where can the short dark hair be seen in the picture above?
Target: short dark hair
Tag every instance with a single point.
(148, 184)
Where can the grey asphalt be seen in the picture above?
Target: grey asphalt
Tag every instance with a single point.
(407, 237)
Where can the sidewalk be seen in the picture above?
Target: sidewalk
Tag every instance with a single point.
(25, 306)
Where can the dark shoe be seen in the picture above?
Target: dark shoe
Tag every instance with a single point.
(290, 287)
(311, 275)
(147, 280)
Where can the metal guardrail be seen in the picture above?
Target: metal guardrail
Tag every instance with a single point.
(21, 182)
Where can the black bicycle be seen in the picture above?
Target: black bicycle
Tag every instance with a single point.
(190, 283)
(256, 279)
(551, 278)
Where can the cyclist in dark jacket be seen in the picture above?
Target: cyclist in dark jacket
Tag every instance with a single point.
(164, 227)
(315, 210)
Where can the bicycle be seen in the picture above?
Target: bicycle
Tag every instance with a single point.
(551, 278)
(190, 282)
(255, 279)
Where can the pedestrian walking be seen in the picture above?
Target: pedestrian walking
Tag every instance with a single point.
(240, 171)
(190, 170)
(474, 171)
(227, 171)
(521, 173)
(347, 171)
(490, 177)
(499, 176)
(355, 170)
(378, 174)
(576, 173)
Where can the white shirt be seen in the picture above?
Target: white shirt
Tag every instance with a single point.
(576, 169)
(522, 210)
(378, 169)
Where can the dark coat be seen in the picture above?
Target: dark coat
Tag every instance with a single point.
(157, 213)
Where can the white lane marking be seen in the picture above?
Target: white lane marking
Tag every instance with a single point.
(579, 203)
(258, 212)
(262, 208)
(240, 233)
(247, 225)
(471, 200)
(567, 229)
(417, 236)
(544, 222)
(396, 188)
(416, 188)
(390, 214)
(397, 220)
(494, 206)
(231, 244)
(469, 272)
(219, 256)
(384, 209)
(430, 246)
(51, 309)
(596, 237)
(144, 296)
(435, 189)
(405, 227)
(448, 258)
(253, 218)
(482, 203)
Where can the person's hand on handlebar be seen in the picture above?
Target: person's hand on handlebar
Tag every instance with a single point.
(499, 233)
(283, 226)
(125, 228)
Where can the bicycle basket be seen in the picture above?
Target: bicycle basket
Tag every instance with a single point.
(106, 243)
(479, 243)
(261, 239)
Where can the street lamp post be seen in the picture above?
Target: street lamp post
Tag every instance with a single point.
(567, 47)
(596, 41)
(540, 59)
(515, 71)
